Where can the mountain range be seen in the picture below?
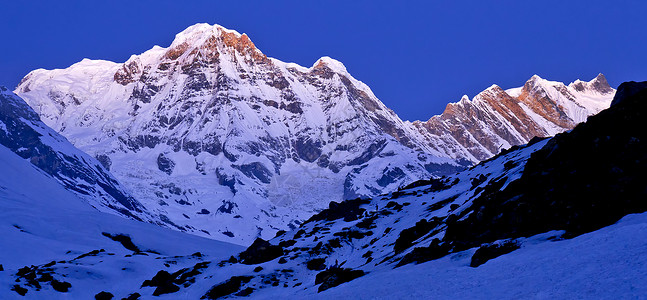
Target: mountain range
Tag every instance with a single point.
(558, 217)
(214, 138)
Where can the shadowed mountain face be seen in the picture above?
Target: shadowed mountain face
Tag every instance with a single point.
(22, 132)
(230, 144)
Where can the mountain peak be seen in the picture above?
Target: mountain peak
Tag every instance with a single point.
(202, 31)
(200, 45)
(331, 63)
(598, 84)
(532, 83)
(212, 37)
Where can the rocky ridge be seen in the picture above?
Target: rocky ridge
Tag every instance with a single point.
(497, 119)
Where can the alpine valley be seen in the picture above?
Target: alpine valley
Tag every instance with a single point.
(214, 138)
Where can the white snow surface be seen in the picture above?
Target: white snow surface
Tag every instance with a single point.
(41, 221)
(605, 264)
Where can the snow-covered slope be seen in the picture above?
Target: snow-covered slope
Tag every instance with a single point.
(44, 223)
(230, 144)
(605, 264)
(22, 131)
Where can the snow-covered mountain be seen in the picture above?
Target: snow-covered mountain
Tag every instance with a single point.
(556, 218)
(230, 144)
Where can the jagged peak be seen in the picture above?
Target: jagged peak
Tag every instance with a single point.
(598, 84)
(491, 90)
(600, 77)
(212, 36)
(339, 68)
(202, 31)
(536, 82)
(494, 87)
(331, 63)
(200, 35)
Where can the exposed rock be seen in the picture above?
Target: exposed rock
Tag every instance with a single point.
(163, 283)
(494, 116)
(490, 251)
(226, 288)
(60, 286)
(24, 133)
(259, 252)
(336, 276)
(19, 289)
(627, 90)
(316, 264)
(123, 239)
(133, 296)
(256, 170)
(104, 296)
(407, 236)
(165, 164)
(349, 210)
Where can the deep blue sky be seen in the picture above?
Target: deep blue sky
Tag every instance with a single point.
(416, 55)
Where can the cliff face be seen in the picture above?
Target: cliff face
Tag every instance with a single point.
(219, 140)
